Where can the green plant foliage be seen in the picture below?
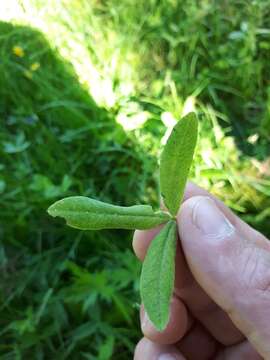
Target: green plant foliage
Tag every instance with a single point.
(157, 278)
(87, 214)
(176, 160)
(83, 112)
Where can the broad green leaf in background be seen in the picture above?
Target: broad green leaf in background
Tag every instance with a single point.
(175, 161)
(88, 214)
(157, 278)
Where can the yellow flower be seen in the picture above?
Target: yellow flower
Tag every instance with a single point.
(18, 51)
(34, 66)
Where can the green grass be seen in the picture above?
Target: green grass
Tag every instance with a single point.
(112, 77)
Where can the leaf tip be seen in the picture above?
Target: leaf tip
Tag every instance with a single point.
(53, 210)
(161, 326)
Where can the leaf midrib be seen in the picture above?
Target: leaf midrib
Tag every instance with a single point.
(176, 158)
(68, 212)
(160, 277)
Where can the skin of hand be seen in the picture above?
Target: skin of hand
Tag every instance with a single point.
(221, 303)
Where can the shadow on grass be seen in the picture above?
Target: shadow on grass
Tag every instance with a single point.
(55, 141)
(249, 126)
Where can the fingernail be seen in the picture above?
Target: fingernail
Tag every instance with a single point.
(166, 357)
(210, 220)
(144, 320)
(146, 323)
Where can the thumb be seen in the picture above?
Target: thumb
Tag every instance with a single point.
(231, 262)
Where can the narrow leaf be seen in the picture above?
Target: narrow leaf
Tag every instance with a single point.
(157, 278)
(175, 161)
(88, 214)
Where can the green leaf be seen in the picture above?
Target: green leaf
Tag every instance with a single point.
(88, 214)
(175, 161)
(106, 349)
(157, 278)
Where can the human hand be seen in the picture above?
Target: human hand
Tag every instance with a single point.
(221, 303)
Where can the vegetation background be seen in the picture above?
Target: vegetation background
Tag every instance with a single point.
(88, 93)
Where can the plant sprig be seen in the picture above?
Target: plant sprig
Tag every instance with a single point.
(158, 270)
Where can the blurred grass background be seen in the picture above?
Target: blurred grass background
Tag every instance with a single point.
(88, 93)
